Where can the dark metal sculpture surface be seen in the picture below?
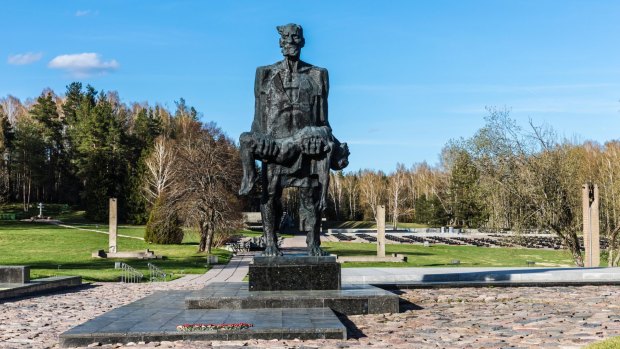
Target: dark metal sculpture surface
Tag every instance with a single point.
(292, 138)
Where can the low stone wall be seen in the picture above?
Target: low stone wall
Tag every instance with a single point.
(40, 285)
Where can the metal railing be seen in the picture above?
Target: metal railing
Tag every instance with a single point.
(156, 274)
(129, 274)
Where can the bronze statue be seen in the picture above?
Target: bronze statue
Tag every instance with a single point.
(292, 138)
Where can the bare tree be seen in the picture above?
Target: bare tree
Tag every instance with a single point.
(13, 108)
(161, 169)
(335, 190)
(351, 189)
(554, 194)
(609, 166)
(372, 188)
(207, 180)
(396, 187)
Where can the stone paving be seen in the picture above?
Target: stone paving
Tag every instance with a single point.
(235, 270)
(523, 317)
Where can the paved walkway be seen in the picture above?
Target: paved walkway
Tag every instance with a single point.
(61, 224)
(98, 231)
(524, 317)
(234, 271)
(421, 277)
(297, 241)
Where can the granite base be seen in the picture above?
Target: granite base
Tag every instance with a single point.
(349, 300)
(294, 272)
(154, 318)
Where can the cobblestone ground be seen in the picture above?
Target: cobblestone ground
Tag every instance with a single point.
(527, 317)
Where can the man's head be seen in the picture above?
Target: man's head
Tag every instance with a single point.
(291, 40)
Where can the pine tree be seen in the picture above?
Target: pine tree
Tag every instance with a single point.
(100, 148)
(164, 226)
(6, 145)
(145, 129)
(45, 112)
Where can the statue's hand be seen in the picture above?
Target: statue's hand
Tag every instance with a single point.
(340, 157)
(313, 146)
(266, 148)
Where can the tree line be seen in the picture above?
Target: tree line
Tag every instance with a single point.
(86, 146)
(169, 170)
(504, 177)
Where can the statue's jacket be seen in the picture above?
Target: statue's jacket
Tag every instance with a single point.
(291, 106)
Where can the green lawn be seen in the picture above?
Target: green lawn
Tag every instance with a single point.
(442, 255)
(51, 250)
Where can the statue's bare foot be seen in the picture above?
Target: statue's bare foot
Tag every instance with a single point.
(272, 251)
(316, 251)
(247, 183)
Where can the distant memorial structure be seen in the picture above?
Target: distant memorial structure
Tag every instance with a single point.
(113, 251)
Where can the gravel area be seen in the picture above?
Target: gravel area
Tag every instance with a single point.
(524, 317)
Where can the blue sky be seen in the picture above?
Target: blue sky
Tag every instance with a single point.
(406, 76)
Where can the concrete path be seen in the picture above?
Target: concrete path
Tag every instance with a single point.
(297, 241)
(60, 224)
(460, 277)
(234, 271)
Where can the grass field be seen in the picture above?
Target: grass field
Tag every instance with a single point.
(442, 255)
(51, 250)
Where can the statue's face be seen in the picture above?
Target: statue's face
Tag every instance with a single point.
(291, 42)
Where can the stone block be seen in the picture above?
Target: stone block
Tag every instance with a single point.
(15, 274)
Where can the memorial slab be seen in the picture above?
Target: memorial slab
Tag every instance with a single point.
(155, 318)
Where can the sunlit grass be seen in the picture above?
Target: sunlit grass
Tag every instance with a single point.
(442, 255)
(51, 250)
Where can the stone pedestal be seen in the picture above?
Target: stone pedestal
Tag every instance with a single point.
(349, 300)
(294, 273)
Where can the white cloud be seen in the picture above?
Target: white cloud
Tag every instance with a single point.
(83, 64)
(24, 58)
(82, 13)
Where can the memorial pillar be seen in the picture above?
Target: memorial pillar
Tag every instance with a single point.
(112, 228)
(591, 225)
(380, 231)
